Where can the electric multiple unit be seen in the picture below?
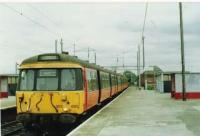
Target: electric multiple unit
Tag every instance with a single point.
(60, 88)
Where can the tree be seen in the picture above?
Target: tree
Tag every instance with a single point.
(130, 76)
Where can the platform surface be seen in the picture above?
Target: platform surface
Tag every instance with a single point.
(7, 102)
(144, 113)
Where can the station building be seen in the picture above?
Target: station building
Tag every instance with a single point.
(148, 80)
(192, 83)
(148, 77)
(171, 82)
(8, 85)
(164, 82)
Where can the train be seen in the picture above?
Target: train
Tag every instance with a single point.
(58, 87)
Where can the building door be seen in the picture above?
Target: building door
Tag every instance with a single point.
(12, 89)
(167, 86)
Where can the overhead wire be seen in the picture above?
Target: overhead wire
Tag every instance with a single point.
(33, 21)
(30, 19)
(20, 48)
(42, 14)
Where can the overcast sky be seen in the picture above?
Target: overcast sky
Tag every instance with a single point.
(109, 28)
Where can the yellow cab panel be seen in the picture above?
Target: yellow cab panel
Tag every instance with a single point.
(50, 87)
(50, 102)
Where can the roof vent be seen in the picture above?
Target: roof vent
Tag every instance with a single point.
(65, 52)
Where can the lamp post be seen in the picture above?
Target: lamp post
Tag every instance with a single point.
(143, 52)
(61, 44)
(182, 53)
(16, 67)
(74, 45)
(56, 46)
(139, 66)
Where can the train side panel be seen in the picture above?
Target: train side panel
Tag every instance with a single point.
(92, 87)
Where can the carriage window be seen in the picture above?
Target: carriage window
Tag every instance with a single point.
(27, 80)
(71, 79)
(47, 79)
(105, 80)
(113, 80)
(92, 80)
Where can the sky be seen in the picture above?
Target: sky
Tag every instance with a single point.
(112, 29)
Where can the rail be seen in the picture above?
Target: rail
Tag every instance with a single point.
(11, 128)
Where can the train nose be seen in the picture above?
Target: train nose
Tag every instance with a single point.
(65, 103)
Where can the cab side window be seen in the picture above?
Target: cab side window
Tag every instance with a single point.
(71, 79)
(27, 80)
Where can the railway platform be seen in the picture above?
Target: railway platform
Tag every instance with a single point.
(143, 113)
(8, 109)
(6, 103)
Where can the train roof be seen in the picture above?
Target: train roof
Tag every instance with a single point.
(65, 58)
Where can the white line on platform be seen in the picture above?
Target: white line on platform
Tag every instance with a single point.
(73, 131)
(4, 108)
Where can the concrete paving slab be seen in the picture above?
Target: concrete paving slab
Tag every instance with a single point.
(144, 113)
(7, 102)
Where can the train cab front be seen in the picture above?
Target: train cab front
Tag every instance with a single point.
(50, 95)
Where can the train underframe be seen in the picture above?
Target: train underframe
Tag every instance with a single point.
(37, 122)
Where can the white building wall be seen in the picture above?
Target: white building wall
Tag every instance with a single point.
(159, 83)
(192, 82)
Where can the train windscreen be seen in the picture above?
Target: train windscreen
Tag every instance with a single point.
(51, 79)
(47, 79)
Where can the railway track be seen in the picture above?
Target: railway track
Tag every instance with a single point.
(11, 128)
(8, 114)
